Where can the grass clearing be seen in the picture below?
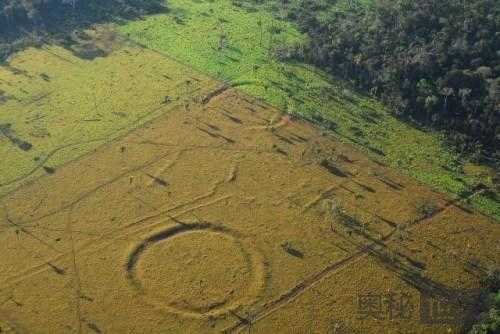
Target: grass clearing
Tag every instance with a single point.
(65, 106)
(217, 213)
(192, 32)
(195, 208)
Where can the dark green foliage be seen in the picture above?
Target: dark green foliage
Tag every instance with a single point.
(436, 63)
(488, 321)
(426, 209)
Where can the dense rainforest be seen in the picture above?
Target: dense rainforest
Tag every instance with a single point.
(436, 63)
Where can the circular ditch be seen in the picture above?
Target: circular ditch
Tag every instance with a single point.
(196, 269)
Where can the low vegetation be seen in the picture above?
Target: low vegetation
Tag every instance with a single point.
(245, 41)
(59, 104)
(426, 209)
(116, 140)
(256, 46)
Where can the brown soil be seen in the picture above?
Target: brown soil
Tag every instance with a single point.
(218, 218)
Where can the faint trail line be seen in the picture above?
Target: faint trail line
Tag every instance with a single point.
(43, 161)
(38, 98)
(310, 282)
(76, 274)
(171, 217)
(43, 267)
(21, 228)
(58, 56)
(325, 193)
(299, 289)
(211, 193)
(109, 139)
(43, 228)
(95, 189)
(106, 139)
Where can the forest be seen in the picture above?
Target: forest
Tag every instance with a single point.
(436, 63)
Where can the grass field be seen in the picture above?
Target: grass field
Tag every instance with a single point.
(191, 33)
(219, 219)
(140, 195)
(59, 106)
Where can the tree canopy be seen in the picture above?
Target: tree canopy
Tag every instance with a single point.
(434, 62)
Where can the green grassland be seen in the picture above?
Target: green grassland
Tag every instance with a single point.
(62, 106)
(191, 32)
(65, 104)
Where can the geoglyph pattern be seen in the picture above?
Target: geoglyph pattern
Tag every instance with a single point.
(223, 215)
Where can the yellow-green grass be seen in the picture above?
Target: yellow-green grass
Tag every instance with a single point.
(66, 106)
(191, 33)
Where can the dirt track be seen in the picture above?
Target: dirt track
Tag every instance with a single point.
(217, 218)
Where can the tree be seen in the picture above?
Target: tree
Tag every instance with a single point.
(435, 62)
(259, 24)
(446, 92)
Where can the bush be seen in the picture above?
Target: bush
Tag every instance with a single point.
(488, 321)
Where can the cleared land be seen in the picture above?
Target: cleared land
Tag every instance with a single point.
(140, 195)
(218, 217)
(192, 32)
(56, 105)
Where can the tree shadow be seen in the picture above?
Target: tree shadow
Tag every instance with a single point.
(465, 303)
(55, 22)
